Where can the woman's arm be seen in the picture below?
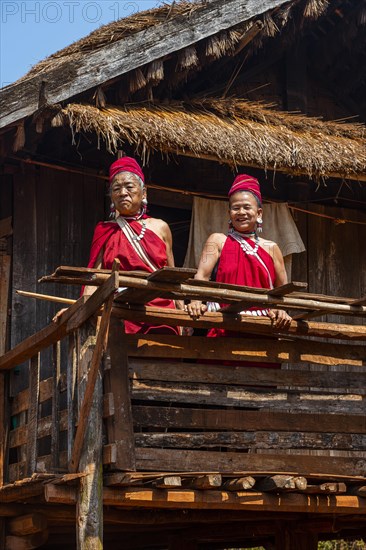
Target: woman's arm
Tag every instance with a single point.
(279, 317)
(210, 255)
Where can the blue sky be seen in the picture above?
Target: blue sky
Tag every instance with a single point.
(32, 30)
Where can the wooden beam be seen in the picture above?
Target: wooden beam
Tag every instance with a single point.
(236, 349)
(252, 500)
(78, 74)
(151, 498)
(26, 543)
(204, 482)
(239, 484)
(183, 460)
(234, 420)
(221, 293)
(203, 373)
(241, 323)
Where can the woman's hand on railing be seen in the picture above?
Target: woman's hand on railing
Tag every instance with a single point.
(196, 308)
(58, 314)
(280, 319)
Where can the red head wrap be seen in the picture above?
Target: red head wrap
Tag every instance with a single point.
(125, 164)
(243, 182)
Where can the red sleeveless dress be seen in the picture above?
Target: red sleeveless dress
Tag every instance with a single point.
(109, 237)
(238, 268)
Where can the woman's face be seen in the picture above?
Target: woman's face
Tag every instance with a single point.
(127, 194)
(244, 211)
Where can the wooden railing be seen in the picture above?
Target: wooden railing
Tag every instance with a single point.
(189, 404)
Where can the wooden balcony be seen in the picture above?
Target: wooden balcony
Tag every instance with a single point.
(186, 423)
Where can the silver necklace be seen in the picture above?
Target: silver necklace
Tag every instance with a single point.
(142, 234)
(244, 245)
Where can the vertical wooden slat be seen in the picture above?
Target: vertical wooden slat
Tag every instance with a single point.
(55, 436)
(120, 425)
(2, 430)
(71, 394)
(32, 424)
(5, 262)
(89, 509)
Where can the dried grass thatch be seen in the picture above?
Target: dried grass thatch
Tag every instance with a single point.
(108, 34)
(231, 131)
(273, 21)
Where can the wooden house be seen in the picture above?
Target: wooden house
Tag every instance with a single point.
(194, 454)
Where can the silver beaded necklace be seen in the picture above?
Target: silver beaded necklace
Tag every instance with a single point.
(142, 233)
(244, 245)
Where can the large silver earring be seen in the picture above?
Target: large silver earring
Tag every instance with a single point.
(259, 224)
(113, 211)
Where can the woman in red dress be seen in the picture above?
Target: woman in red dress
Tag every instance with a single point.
(242, 257)
(140, 242)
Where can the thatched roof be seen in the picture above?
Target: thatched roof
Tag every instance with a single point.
(274, 20)
(229, 131)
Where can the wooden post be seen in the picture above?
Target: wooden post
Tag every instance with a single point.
(89, 507)
(32, 424)
(120, 426)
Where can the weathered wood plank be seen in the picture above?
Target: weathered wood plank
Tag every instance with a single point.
(252, 440)
(5, 263)
(34, 374)
(287, 289)
(240, 323)
(20, 402)
(172, 274)
(78, 74)
(224, 396)
(18, 436)
(119, 426)
(3, 428)
(213, 419)
(73, 355)
(55, 430)
(184, 461)
(141, 369)
(235, 349)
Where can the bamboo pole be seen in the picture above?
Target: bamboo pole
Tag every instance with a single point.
(46, 297)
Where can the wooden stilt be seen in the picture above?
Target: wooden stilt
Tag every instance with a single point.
(89, 507)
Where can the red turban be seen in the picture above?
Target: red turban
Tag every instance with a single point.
(125, 164)
(243, 182)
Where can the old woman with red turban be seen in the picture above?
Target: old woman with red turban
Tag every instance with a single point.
(140, 242)
(242, 257)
